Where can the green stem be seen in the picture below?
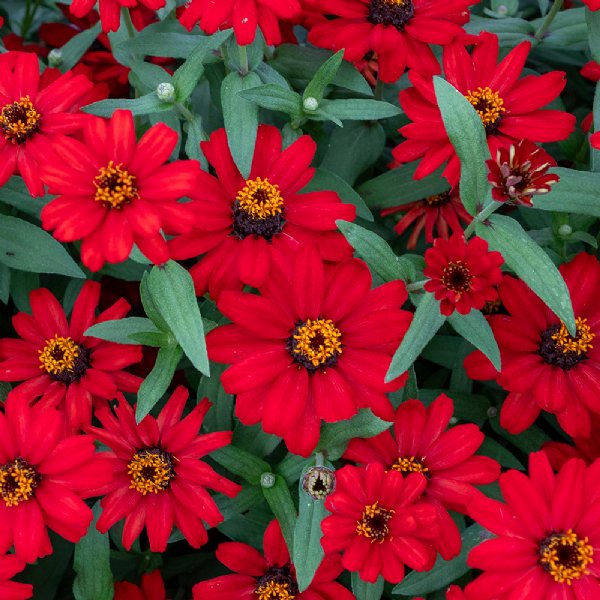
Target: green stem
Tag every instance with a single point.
(128, 22)
(379, 89)
(482, 216)
(186, 113)
(539, 34)
(243, 60)
(415, 286)
(319, 459)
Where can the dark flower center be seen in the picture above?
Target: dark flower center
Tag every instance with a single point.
(18, 481)
(492, 307)
(374, 523)
(115, 187)
(391, 12)
(558, 347)
(410, 465)
(278, 583)
(566, 556)
(457, 277)
(489, 106)
(64, 360)
(315, 344)
(437, 199)
(19, 121)
(258, 210)
(150, 471)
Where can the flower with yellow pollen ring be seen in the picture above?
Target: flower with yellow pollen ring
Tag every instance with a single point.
(151, 471)
(565, 556)
(558, 347)
(374, 523)
(489, 106)
(115, 186)
(19, 120)
(18, 481)
(64, 360)
(410, 465)
(316, 343)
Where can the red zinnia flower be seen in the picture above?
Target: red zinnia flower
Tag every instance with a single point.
(591, 70)
(509, 108)
(243, 226)
(520, 172)
(399, 31)
(270, 576)
(114, 192)
(322, 339)
(378, 523)
(59, 363)
(446, 458)
(110, 10)
(543, 366)
(158, 477)
(32, 111)
(441, 211)
(243, 15)
(462, 274)
(10, 565)
(548, 535)
(586, 448)
(152, 587)
(43, 477)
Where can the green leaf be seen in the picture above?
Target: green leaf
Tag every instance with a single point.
(274, 97)
(308, 553)
(171, 45)
(323, 77)
(367, 591)
(241, 118)
(4, 283)
(493, 449)
(326, 180)
(26, 247)
(424, 326)
(531, 264)
(443, 572)
(158, 380)
(186, 78)
(466, 132)
(195, 135)
(335, 436)
(241, 463)
(131, 330)
(91, 563)
(359, 110)
(475, 329)
(77, 46)
(149, 305)
(15, 193)
(280, 502)
(376, 253)
(577, 192)
(145, 105)
(172, 291)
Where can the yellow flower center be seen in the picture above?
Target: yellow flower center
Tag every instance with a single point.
(437, 199)
(150, 471)
(488, 104)
(19, 120)
(409, 465)
(115, 186)
(260, 199)
(374, 523)
(17, 482)
(579, 344)
(316, 343)
(565, 556)
(58, 355)
(272, 590)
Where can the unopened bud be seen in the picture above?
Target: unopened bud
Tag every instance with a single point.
(319, 482)
(310, 104)
(267, 480)
(165, 92)
(565, 230)
(502, 10)
(55, 58)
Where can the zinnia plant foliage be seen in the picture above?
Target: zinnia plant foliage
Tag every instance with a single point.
(300, 299)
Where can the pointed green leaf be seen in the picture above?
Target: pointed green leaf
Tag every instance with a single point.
(241, 463)
(323, 77)
(274, 97)
(364, 590)
(145, 105)
(77, 46)
(577, 192)
(280, 501)
(131, 330)
(359, 110)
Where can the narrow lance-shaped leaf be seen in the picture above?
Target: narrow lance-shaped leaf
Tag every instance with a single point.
(279, 499)
(241, 463)
(531, 264)
(424, 326)
(576, 192)
(131, 330)
(466, 132)
(364, 590)
(323, 77)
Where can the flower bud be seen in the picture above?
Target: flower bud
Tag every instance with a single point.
(319, 482)
(311, 104)
(565, 231)
(267, 480)
(55, 58)
(165, 92)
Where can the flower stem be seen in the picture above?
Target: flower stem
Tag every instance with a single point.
(126, 16)
(319, 459)
(482, 216)
(539, 34)
(415, 286)
(243, 60)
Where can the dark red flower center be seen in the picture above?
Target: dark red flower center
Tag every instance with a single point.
(18, 481)
(457, 277)
(437, 199)
(374, 523)
(19, 121)
(558, 347)
(150, 471)
(566, 556)
(64, 360)
(492, 307)
(315, 344)
(489, 106)
(391, 12)
(410, 465)
(278, 583)
(115, 186)
(258, 210)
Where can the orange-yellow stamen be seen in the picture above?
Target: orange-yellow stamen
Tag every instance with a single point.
(115, 186)
(260, 199)
(19, 120)
(17, 482)
(579, 344)
(317, 341)
(374, 523)
(150, 471)
(272, 590)
(488, 104)
(409, 465)
(58, 355)
(566, 557)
